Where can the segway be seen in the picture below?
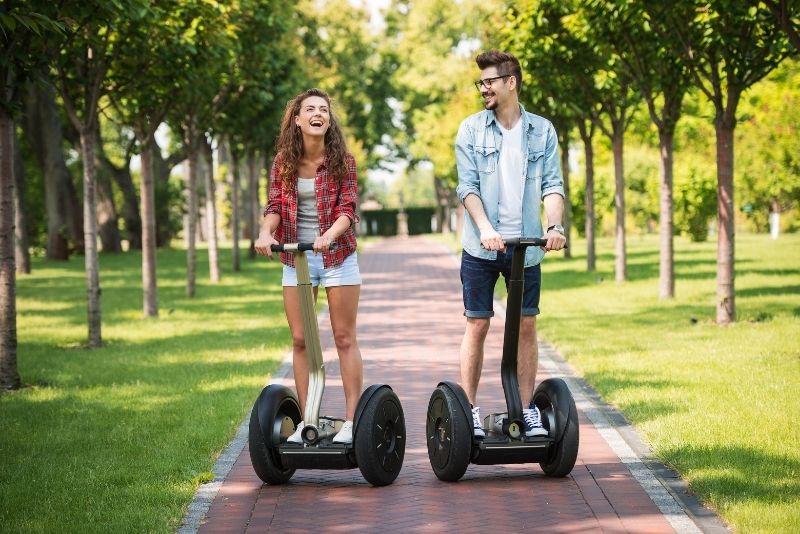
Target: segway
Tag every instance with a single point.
(452, 444)
(379, 433)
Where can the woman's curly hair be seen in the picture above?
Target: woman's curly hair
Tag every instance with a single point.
(290, 141)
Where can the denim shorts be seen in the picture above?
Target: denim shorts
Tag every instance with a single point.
(479, 276)
(346, 274)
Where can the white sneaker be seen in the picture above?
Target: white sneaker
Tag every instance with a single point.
(533, 422)
(345, 435)
(297, 436)
(477, 426)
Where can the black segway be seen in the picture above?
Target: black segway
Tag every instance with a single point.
(379, 433)
(451, 441)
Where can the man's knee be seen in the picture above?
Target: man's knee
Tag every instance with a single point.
(477, 328)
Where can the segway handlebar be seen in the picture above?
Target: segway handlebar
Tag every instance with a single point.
(292, 247)
(528, 241)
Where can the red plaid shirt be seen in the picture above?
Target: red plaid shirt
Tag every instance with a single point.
(334, 198)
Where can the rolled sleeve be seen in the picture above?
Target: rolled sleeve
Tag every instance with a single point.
(466, 167)
(552, 180)
(348, 194)
(275, 194)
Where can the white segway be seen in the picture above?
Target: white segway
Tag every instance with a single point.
(379, 433)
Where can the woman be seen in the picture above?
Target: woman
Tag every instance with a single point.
(312, 198)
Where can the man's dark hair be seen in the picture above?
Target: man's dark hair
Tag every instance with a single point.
(507, 64)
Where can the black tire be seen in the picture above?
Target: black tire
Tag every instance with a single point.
(560, 417)
(449, 435)
(380, 438)
(274, 415)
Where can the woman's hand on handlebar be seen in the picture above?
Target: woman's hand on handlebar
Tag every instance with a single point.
(263, 244)
(323, 243)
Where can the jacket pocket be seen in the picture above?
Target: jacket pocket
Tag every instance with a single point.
(535, 164)
(487, 158)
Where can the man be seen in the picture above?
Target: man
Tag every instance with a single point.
(508, 165)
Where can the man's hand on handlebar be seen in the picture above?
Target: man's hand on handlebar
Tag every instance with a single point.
(555, 240)
(491, 240)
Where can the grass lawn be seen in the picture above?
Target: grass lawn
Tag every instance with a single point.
(117, 439)
(721, 405)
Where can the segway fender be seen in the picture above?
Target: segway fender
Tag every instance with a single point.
(267, 405)
(362, 403)
(458, 391)
(554, 391)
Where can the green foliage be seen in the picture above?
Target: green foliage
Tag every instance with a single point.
(768, 147)
(695, 203)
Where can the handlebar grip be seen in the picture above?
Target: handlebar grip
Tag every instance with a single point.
(291, 247)
(526, 241)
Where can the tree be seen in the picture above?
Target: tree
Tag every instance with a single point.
(25, 32)
(82, 64)
(662, 78)
(142, 102)
(728, 46)
(547, 39)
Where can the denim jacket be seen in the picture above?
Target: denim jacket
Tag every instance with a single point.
(477, 162)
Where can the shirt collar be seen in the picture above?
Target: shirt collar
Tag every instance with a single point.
(491, 118)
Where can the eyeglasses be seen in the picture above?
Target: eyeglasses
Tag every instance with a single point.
(487, 82)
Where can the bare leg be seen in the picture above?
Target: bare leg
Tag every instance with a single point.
(528, 359)
(343, 306)
(291, 305)
(472, 355)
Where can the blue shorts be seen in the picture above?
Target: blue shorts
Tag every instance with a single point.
(479, 276)
(346, 274)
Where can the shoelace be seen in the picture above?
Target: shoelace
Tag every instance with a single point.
(531, 417)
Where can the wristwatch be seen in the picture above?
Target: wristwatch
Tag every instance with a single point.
(557, 227)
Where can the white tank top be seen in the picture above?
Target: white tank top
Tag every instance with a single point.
(307, 220)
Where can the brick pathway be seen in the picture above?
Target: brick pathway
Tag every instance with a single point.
(410, 327)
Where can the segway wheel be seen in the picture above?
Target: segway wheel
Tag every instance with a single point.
(272, 419)
(380, 439)
(449, 435)
(560, 416)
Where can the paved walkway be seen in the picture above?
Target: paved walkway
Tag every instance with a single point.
(410, 327)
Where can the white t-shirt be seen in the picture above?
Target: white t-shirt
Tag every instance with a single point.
(511, 182)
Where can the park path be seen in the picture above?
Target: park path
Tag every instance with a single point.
(410, 327)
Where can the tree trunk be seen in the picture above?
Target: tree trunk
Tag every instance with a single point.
(620, 265)
(107, 219)
(9, 376)
(161, 172)
(90, 238)
(45, 136)
(589, 227)
(442, 222)
(666, 278)
(149, 283)
(191, 212)
(130, 198)
(234, 178)
(253, 172)
(22, 256)
(567, 222)
(211, 216)
(726, 305)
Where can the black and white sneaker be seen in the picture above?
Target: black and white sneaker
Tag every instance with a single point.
(533, 421)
